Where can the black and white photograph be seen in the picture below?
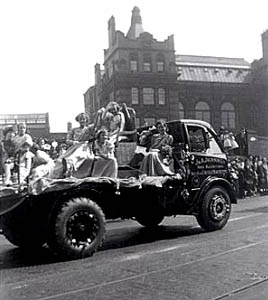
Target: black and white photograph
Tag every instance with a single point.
(134, 150)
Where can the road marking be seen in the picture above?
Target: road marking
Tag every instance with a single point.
(146, 253)
(101, 285)
(245, 217)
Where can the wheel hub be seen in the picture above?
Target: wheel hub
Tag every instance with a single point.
(219, 207)
(82, 228)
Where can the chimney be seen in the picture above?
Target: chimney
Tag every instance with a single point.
(111, 31)
(136, 24)
(69, 126)
(97, 74)
(265, 45)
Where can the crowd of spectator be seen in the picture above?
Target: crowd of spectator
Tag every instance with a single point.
(20, 154)
(250, 175)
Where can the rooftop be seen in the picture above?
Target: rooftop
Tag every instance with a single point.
(212, 61)
(212, 69)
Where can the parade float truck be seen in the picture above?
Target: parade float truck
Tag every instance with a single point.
(69, 215)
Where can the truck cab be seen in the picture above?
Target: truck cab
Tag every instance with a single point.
(197, 144)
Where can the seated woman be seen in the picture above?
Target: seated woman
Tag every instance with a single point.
(105, 163)
(42, 164)
(158, 161)
(79, 138)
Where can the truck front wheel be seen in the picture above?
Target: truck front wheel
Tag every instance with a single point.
(77, 229)
(215, 209)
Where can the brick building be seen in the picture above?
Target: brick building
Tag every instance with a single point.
(37, 124)
(149, 76)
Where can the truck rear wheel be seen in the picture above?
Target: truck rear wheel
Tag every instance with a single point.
(215, 209)
(149, 220)
(77, 229)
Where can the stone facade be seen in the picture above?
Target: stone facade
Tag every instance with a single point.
(147, 75)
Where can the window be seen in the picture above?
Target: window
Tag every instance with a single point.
(147, 62)
(202, 111)
(148, 96)
(40, 121)
(122, 65)
(160, 66)
(196, 138)
(147, 66)
(161, 96)
(163, 120)
(137, 122)
(149, 121)
(160, 62)
(134, 95)
(214, 148)
(228, 115)
(181, 110)
(133, 66)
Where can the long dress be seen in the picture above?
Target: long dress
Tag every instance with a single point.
(105, 164)
(155, 163)
(73, 160)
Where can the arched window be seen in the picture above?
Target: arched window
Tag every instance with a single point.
(181, 110)
(202, 111)
(133, 61)
(228, 115)
(160, 63)
(147, 63)
(122, 65)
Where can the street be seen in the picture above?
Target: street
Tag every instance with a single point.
(178, 260)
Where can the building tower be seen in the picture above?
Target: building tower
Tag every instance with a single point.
(136, 28)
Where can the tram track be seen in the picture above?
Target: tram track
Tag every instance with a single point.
(161, 270)
(241, 289)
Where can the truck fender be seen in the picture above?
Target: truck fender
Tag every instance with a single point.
(93, 193)
(10, 199)
(213, 181)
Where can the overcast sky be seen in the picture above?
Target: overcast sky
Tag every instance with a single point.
(49, 47)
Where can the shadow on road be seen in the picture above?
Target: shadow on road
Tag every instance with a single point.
(16, 258)
(118, 238)
(11, 257)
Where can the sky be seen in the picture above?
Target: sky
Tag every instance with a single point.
(49, 47)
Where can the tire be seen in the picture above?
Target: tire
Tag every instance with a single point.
(150, 220)
(215, 209)
(77, 230)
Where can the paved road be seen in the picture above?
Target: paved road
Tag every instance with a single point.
(177, 261)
